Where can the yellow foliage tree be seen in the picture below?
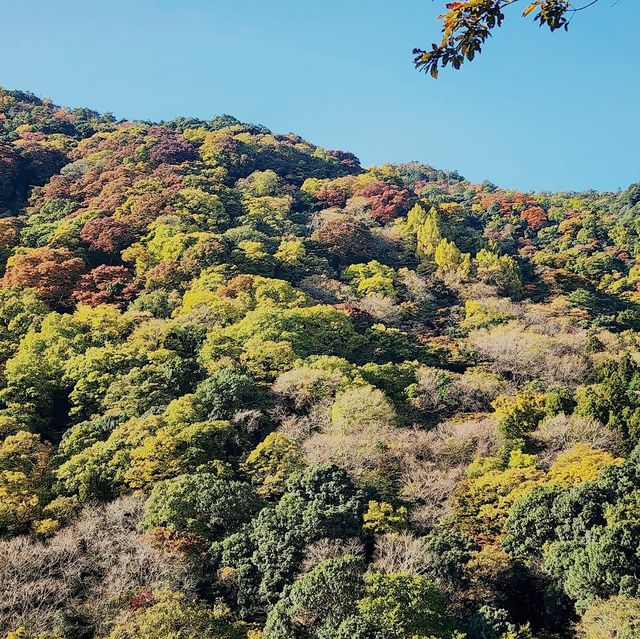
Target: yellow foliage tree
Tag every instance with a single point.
(451, 261)
(271, 463)
(381, 517)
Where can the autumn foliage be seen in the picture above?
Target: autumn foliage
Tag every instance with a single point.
(251, 390)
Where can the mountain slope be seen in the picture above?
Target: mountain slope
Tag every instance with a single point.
(379, 402)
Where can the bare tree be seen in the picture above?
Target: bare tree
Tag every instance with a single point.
(96, 560)
(403, 552)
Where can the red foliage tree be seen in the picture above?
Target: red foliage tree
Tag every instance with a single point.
(386, 200)
(347, 159)
(169, 148)
(106, 285)
(59, 186)
(41, 162)
(236, 285)
(506, 203)
(54, 273)
(535, 217)
(143, 598)
(108, 235)
(329, 198)
(167, 275)
(346, 239)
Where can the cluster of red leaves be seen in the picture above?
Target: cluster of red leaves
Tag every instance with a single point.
(387, 201)
(348, 160)
(506, 204)
(328, 198)
(345, 238)
(236, 285)
(108, 235)
(169, 147)
(106, 285)
(535, 217)
(53, 272)
(143, 598)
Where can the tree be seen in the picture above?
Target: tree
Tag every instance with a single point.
(382, 517)
(258, 562)
(271, 463)
(19, 310)
(499, 271)
(319, 602)
(23, 466)
(450, 260)
(399, 606)
(54, 273)
(372, 277)
(9, 176)
(386, 200)
(149, 386)
(428, 230)
(23, 633)
(337, 600)
(520, 415)
(483, 501)
(314, 330)
(468, 24)
(92, 372)
(582, 536)
(202, 504)
(227, 391)
(345, 240)
(169, 147)
(35, 389)
(614, 618)
(613, 400)
(165, 614)
(106, 285)
(108, 235)
(180, 448)
(495, 623)
(357, 408)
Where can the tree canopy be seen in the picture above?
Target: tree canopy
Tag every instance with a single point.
(252, 390)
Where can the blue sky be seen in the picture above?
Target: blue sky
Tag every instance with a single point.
(535, 111)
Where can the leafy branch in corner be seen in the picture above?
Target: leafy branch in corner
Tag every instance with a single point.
(467, 24)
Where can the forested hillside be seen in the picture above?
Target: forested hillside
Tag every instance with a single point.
(252, 390)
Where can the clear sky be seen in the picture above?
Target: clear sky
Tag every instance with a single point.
(535, 111)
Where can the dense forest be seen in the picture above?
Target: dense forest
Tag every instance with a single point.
(251, 390)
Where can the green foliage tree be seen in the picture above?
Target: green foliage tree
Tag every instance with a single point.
(202, 504)
(582, 536)
(271, 463)
(615, 618)
(262, 559)
(168, 614)
(318, 603)
(24, 481)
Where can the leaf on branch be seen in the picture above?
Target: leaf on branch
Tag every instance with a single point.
(532, 7)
